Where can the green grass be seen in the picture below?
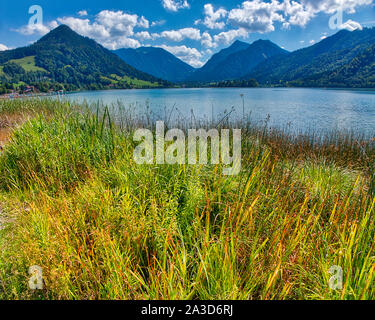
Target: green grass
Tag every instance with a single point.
(133, 82)
(102, 227)
(28, 64)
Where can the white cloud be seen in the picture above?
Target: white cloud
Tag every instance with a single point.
(82, 13)
(261, 15)
(31, 29)
(53, 24)
(190, 55)
(207, 40)
(158, 23)
(181, 34)
(175, 5)
(112, 29)
(143, 35)
(212, 19)
(331, 6)
(118, 22)
(86, 28)
(351, 25)
(3, 47)
(298, 14)
(227, 37)
(312, 41)
(143, 22)
(256, 16)
(114, 44)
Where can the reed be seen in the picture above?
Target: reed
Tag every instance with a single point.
(102, 227)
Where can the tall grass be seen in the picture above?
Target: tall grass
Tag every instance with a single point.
(102, 227)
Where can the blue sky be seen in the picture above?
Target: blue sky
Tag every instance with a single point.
(191, 29)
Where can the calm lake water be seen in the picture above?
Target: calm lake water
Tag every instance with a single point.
(297, 109)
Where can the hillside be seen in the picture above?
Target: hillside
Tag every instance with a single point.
(64, 58)
(315, 65)
(236, 61)
(359, 72)
(157, 62)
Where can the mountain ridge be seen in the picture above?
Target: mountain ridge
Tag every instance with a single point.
(157, 62)
(72, 60)
(236, 61)
(305, 66)
(63, 59)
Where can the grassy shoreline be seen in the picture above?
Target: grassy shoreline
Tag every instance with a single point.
(101, 227)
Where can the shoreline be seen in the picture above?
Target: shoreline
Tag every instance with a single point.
(37, 95)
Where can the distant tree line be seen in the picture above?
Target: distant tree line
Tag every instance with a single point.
(251, 83)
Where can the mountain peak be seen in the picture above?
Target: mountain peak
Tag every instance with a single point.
(238, 45)
(62, 27)
(263, 44)
(262, 41)
(61, 34)
(236, 60)
(157, 62)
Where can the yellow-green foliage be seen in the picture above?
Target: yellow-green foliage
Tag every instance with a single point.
(28, 64)
(102, 227)
(133, 81)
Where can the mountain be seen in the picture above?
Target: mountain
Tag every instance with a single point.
(236, 61)
(64, 57)
(319, 64)
(358, 73)
(157, 62)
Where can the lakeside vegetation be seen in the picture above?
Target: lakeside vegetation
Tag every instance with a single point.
(73, 202)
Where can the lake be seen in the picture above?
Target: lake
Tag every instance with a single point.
(293, 108)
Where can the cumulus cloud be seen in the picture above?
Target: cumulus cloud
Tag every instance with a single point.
(118, 22)
(143, 22)
(181, 34)
(86, 28)
(190, 55)
(207, 40)
(296, 14)
(143, 35)
(114, 44)
(112, 29)
(212, 17)
(260, 15)
(256, 16)
(3, 47)
(31, 29)
(331, 6)
(175, 5)
(227, 37)
(82, 13)
(158, 23)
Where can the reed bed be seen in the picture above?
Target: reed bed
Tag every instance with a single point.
(102, 227)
